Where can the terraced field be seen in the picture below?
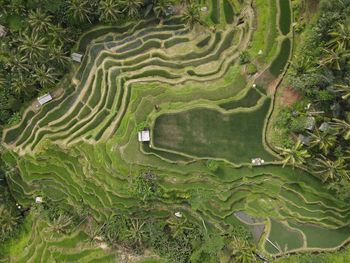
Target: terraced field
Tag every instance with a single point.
(187, 86)
(39, 246)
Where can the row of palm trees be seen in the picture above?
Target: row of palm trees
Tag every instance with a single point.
(39, 53)
(322, 66)
(319, 153)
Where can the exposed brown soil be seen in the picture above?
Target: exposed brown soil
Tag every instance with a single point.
(289, 97)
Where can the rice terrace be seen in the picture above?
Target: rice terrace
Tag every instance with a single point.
(167, 121)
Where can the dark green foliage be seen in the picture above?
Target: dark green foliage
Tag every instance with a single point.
(320, 72)
(251, 69)
(212, 165)
(244, 57)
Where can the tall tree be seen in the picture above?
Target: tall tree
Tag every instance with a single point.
(61, 224)
(340, 37)
(160, 7)
(80, 10)
(109, 10)
(323, 140)
(60, 36)
(8, 222)
(334, 58)
(132, 7)
(39, 21)
(295, 155)
(331, 170)
(342, 127)
(32, 45)
(192, 15)
(238, 250)
(59, 56)
(45, 76)
(136, 232)
(21, 83)
(343, 89)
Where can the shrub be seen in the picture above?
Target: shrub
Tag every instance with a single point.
(244, 57)
(251, 69)
(212, 165)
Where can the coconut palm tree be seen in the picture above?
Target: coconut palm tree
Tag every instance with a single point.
(160, 7)
(331, 170)
(239, 250)
(8, 221)
(45, 76)
(340, 37)
(323, 140)
(39, 21)
(109, 10)
(295, 155)
(131, 7)
(343, 89)
(334, 58)
(342, 127)
(21, 84)
(303, 65)
(17, 62)
(80, 10)
(61, 224)
(59, 56)
(192, 15)
(136, 232)
(32, 45)
(178, 226)
(59, 35)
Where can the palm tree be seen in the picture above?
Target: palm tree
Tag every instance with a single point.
(80, 10)
(323, 140)
(178, 226)
(340, 37)
(39, 21)
(17, 62)
(135, 231)
(192, 15)
(32, 45)
(109, 10)
(341, 126)
(160, 7)
(21, 84)
(295, 155)
(8, 221)
(334, 58)
(59, 35)
(45, 76)
(58, 55)
(60, 224)
(131, 7)
(331, 170)
(344, 89)
(303, 65)
(238, 250)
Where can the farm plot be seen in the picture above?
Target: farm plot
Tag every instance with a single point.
(209, 133)
(186, 86)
